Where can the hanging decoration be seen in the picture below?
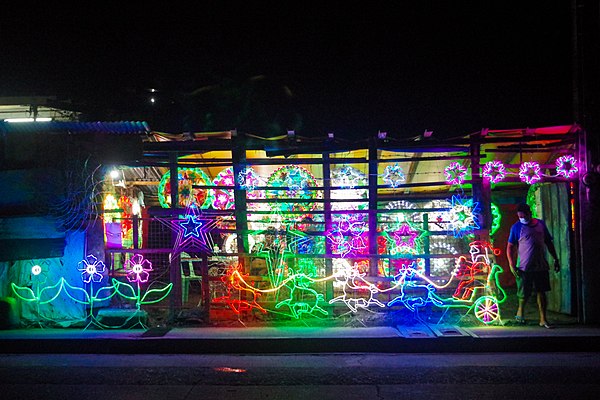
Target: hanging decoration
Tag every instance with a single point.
(463, 215)
(494, 171)
(222, 197)
(529, 172)
(292, 189)
(393, 175)
(566, 166)
(455, 173)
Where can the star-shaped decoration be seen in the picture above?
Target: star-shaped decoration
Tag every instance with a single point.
(192, 231)
(406, 236)
(394, 175)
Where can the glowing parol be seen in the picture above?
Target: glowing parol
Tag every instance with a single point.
(566, 166)
(455, 173)
(494, 171)
(187, 177)
(223, 198)
(529, 172)
(462, 215)
(394, 175)
(295, 183)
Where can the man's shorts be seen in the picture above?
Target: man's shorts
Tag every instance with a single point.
(532, 281)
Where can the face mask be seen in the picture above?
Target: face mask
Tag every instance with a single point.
(524, 220)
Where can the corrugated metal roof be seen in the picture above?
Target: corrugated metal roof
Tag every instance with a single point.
(120, 128)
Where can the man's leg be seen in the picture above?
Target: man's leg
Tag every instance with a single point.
(522, 301)
(542, 304)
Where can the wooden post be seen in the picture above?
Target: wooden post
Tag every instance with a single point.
(175, 262)
(373, 183)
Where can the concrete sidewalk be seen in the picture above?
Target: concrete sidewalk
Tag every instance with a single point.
(423, 337)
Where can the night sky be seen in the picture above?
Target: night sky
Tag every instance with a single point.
(445, 66)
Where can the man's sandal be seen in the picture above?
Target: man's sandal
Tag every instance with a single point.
(519, 320)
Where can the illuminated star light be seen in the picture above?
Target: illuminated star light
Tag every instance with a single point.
(455, 173)
(462, 216)
(348, 177)
(406, 236)
(529, 172)
(494, 171)
(248, 180)
(566, 166)
(192, 231)
(393, 175)
(91, 269)
(138, 269)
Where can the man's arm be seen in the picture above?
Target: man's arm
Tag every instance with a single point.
(552, 250)
(511, 252)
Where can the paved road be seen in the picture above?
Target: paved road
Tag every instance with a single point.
(301, 376)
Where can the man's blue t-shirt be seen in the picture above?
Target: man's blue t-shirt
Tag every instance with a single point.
(531, 241)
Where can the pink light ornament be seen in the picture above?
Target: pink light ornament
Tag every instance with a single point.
(494, 171)
(566, 166)
(455, 173)
(529, 172)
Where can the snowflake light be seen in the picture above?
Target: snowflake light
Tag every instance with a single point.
(566, 166)
(393, 175)
(463, 219)
(530, 172)
(347, 177)
(248, 180)
(494, 171)
(455, 173)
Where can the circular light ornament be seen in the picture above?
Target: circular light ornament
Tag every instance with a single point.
(188, 195)
(36, 270)
(529, 172)
(494, 171)
(566, 166)
(292, 182)
(455, 173)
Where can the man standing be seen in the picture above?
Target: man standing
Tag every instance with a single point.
(529, 238)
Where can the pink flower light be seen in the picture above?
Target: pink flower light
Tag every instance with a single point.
(138, 269)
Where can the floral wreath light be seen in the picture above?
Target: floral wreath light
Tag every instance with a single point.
(494, 171)
(566, 166)
(393, 175)
(455, 173)
(529, 172)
